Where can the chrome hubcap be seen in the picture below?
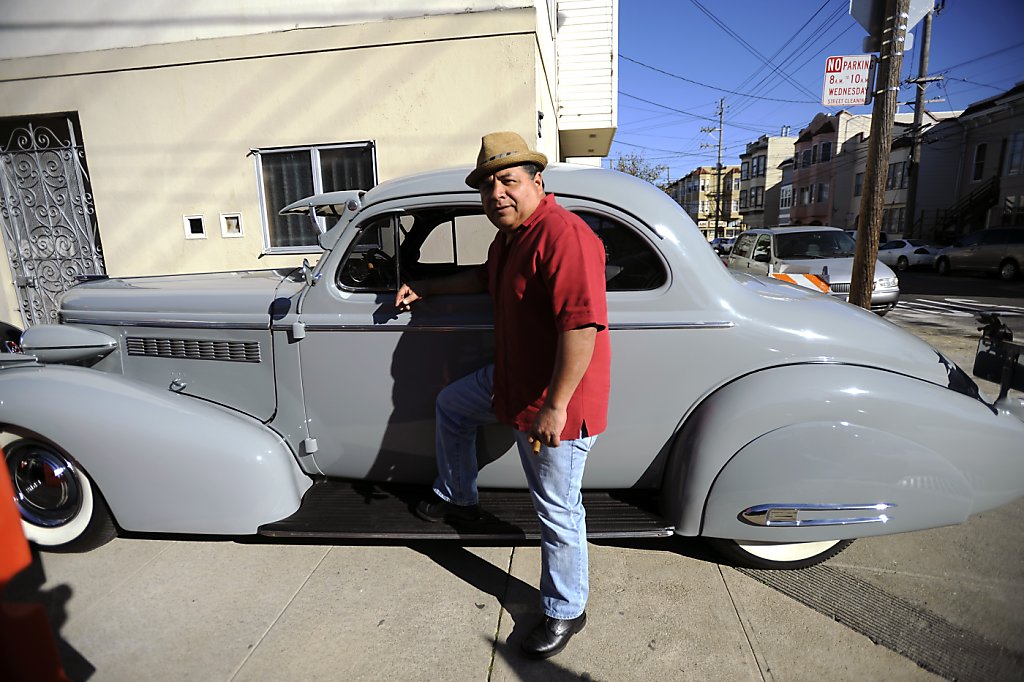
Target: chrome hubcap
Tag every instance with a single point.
(46, 487)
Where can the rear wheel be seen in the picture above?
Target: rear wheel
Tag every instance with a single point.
(60, 507)
(774, 555)
(1009, 270)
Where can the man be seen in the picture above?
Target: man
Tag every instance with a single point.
(549, 380)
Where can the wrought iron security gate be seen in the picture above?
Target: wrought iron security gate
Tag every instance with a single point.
(46, 211)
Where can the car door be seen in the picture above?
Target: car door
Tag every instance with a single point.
(370, 374)
(739, 257)
(991, 249)
(965, 255)
(888, 253)
(761, 255)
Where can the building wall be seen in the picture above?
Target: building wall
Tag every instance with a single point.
(33, 28)
(763, 179)
(696, 192)
(843, 133)
(167, 127)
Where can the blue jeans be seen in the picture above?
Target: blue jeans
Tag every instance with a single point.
(554, 477)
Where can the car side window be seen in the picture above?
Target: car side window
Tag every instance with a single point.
(763, 248)
(744, 245)
(898, 244)
(995, 237)
(458, 240)
(415, 245)
(631, 264)
(370, 264)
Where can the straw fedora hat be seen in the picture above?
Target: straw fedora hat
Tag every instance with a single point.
(499, 151)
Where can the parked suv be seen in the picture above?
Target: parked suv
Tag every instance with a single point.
(999, 250)
(811, 250)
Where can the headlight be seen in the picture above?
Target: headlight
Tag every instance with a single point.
(887, 283)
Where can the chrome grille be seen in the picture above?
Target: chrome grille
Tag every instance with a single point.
(194, 349)
(839, 288)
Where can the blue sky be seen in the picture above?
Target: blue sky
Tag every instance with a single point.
(977, 44)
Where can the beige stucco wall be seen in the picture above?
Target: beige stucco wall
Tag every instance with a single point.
(167, 127)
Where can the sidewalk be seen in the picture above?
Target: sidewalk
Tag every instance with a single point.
(172, 609)
(220, 610)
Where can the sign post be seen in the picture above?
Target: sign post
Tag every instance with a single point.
(893, 32)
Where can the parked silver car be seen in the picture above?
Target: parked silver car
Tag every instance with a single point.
(997, 251)
(299, 402)
(814, 250)
(904, 254)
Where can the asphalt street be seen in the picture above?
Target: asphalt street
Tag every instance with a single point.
(946, 603)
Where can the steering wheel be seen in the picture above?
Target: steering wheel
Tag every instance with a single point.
(382, 259)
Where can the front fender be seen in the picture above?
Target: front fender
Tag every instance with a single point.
(843, 435)
(164, 462)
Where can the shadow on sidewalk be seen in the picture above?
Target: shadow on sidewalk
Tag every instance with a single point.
(27, 587)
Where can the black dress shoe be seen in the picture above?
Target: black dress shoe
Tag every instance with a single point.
(435, 510)
(551, 635)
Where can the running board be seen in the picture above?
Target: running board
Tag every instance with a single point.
(359, 510)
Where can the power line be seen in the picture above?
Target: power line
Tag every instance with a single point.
(713, 87)
(750, 48)
(984, 56)
(785, 44)
(820, 31)
(744, 126)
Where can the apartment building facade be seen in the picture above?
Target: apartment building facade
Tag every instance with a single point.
(972, 169)
(823, 169)
(761, 179)
(697, 193)
(786, 191)
(897, 179)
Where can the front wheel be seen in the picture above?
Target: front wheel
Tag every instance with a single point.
(942, 265)
(775, 555)
(60, 507)
(902, 263)
(1009, 270)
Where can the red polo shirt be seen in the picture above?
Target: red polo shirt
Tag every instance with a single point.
(548, 278)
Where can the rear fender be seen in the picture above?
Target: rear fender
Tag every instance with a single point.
(164, 462)
(839, 435)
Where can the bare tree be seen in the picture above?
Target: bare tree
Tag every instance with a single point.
(635, 164)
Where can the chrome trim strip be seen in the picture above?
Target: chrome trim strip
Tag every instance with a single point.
(629, 326)
(173, 324)
(194, 324)
(788, 515)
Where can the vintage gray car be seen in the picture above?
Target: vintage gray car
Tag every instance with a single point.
(299, 402)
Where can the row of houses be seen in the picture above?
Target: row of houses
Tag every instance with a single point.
(971, 175)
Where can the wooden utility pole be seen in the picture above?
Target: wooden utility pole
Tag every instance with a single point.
(915, 149)
(718, 168)
(890, 65)
(719, 228)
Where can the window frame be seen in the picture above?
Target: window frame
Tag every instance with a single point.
(826, 152)
(1015, 154)
(318, 187)
(978, 166)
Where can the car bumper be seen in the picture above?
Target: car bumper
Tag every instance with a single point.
(882, 300)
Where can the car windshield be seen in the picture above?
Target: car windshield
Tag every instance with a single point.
(824, 244)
